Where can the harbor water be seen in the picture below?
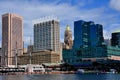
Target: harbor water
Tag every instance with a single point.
(90, 76)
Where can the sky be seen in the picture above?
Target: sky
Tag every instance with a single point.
(105, 12)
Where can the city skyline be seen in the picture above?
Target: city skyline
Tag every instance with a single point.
(105, 12)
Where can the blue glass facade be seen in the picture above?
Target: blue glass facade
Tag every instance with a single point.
(115, 40)
(113, 51)
(77, 34)
(80, 55)
(87, 34)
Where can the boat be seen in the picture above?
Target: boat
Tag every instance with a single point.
(112, 71)
(34, 68)
(80, 71)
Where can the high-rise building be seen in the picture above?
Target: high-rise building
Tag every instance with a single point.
(47, 34)
(68, 42)
(115, 40)
(87, 34)
(12, 38)
(88, 44)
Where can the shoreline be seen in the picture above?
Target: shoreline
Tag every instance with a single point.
(53, 72)
(29, 73)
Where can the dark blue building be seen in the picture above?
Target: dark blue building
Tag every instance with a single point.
(115, 40)
(87, 34)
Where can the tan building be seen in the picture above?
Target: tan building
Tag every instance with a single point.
(24, 50)
(39, 57)
(114, 57)
(12, 37)
(68, 42)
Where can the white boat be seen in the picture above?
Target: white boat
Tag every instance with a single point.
(35, 68)
(80, 71)
(112, 71)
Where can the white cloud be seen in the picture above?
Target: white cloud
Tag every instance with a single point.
(67, 14)
(113, 27)
(115, 4)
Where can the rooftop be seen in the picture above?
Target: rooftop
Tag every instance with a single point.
(116, 31)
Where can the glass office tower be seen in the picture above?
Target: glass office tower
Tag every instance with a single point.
(87, 34)
(115, 40)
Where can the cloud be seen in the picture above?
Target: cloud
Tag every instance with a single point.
(34, 10)
(115, 4)
(112, 28)
(66, 11)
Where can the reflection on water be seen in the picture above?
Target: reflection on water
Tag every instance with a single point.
(62, 77)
